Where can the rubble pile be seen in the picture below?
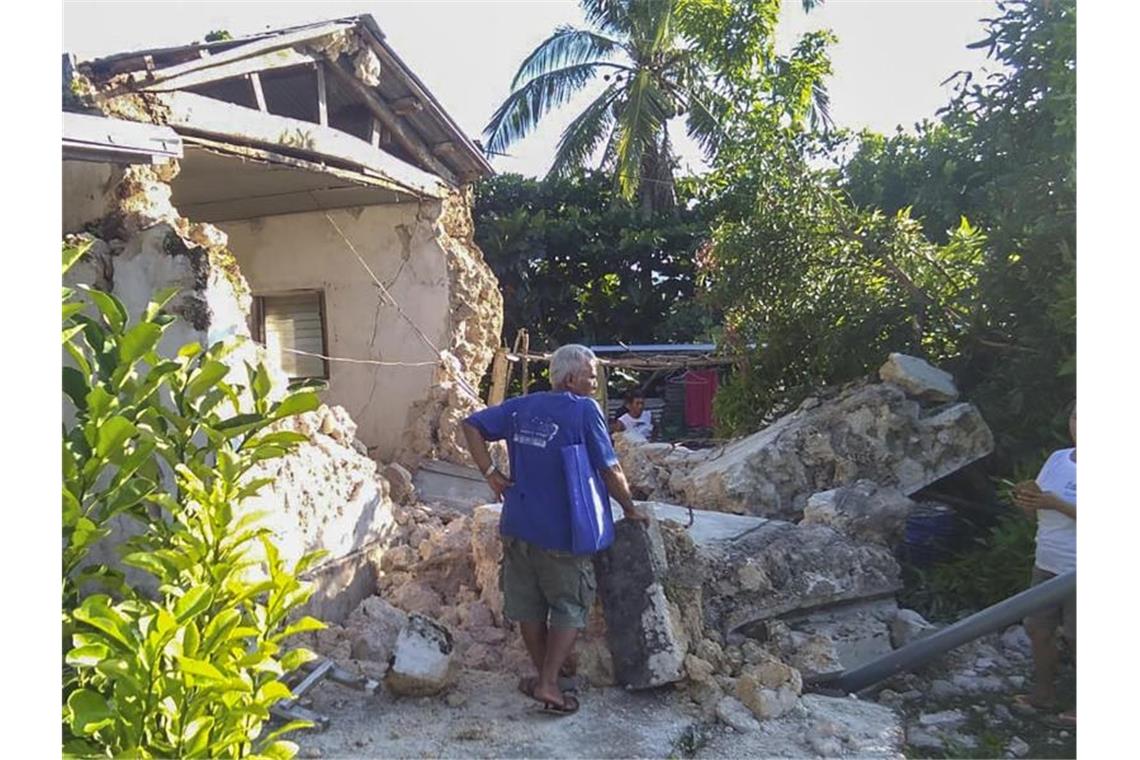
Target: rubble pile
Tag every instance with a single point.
(902, 436)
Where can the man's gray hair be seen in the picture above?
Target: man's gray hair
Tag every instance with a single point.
(569, 360)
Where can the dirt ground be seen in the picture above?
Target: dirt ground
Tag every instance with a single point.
(485, 716)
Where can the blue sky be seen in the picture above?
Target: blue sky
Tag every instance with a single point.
(890, 59)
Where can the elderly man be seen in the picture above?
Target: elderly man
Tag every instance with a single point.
(547, 589)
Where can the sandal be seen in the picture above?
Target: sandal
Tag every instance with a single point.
(565, 683)
(569, 706)
(1067, 719)
(1026, 704)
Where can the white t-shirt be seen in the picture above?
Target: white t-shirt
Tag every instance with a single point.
(641, 426)
(1057, 533)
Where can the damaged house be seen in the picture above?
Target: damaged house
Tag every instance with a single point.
(339, 189)
(303, 188)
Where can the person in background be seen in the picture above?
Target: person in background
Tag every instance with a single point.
(636, 419)
(1052, 500)
(547, 588)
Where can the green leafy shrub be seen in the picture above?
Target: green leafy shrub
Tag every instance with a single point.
(995, 567)
(189, 663)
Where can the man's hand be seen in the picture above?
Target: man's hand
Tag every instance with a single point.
(499, 483)
(636, 514)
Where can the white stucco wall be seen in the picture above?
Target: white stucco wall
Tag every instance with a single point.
(88, 192)
(304, 251)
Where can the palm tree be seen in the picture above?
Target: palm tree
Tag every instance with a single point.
(634, 46)
(651, 76)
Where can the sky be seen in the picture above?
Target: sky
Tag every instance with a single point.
(888, 63)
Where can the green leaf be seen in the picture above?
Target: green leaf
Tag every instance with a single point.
(147, 562)
(295, 658)
(75, 387)
(70, 332)
(281, 438)
(293, 725)
(303, 625)
(194, 603)
(280, 750)
(273, 692)
(113, 434)
(138, 341)
(159, 300)
(88, 712)
(205, 378)
(73, 252)
(87, 656)
(298, 403)
(199, 668)
(112, 309)
(196, 735)
(190, 350)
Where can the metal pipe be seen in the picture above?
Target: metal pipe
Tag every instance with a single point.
(991, 619)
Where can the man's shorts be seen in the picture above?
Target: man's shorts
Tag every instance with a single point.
(553, 587)
(1063, 614)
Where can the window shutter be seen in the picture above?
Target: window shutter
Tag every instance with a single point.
(294, 322)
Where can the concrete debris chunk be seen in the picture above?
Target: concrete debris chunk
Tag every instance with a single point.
(919, 378)
(374, 627)
(732, 712)
(640, 630)
(423, 663)
(863, 511)
(869, 431)
(400, 485)
(909, 626)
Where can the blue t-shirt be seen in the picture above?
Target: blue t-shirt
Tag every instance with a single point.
(536, 427)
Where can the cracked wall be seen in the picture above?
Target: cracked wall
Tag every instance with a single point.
(399, 243)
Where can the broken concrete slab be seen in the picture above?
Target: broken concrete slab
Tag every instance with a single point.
(457, 486)
(918, 378)
(640, 629)
(863, 511)
(868, 431)
(374, 626)
(909, 626)
(423, 662)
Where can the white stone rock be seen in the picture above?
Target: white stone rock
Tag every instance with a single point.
(909, 626)
(1017, 747)
(424, 664)
(918, 378)
(863, 511)
(732, 712)
(922, 739)
(942, 719)
(1015, 641)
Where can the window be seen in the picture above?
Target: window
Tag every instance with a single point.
(292, 322)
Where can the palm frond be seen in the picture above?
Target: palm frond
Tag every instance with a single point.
(568, 46)
(608, 15)
(810, 5)
(820, 114)
(523, 108)
(582, 136)
(708, 111)
(641, 120)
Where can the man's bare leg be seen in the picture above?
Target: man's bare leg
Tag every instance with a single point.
(534, 637)
(559, 644)
(1046, 658)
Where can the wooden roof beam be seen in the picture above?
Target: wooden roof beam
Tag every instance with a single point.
(401, 133)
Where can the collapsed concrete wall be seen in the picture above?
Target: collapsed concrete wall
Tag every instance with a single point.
(475, 317)
(325, 495)
(872, 431)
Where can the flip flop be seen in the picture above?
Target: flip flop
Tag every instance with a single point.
(1025, 704)
(1067, 719)
(565, 683)
(569, 706)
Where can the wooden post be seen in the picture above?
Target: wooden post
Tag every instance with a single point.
(525, 362)
(322, 97)
(499, 368)
(602, 393)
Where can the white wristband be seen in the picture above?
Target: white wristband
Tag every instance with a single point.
(487, 472)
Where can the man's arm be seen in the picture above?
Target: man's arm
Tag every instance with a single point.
(482, 458)
(618, 487)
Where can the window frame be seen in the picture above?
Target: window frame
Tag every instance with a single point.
(257, 323)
